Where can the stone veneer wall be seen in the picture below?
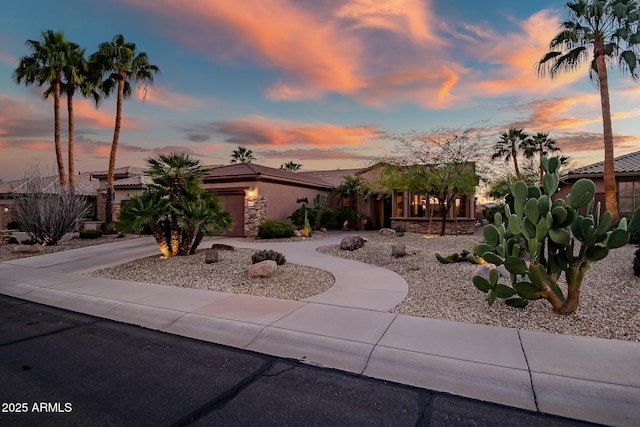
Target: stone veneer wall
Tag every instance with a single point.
(254, 215)
(465, 226)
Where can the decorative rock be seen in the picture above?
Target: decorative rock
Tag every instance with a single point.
(387, 232)
(297, 233)
(29, 249)
(398, 251)
(222, 247)
(262, 269)
(351, 243)
(210, 256)
(322, 229)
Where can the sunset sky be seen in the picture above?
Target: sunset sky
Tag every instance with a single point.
(318, 82)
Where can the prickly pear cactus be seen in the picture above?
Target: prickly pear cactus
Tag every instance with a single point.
(268, 255)
(557, 239)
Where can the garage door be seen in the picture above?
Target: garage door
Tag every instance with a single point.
(234, 204)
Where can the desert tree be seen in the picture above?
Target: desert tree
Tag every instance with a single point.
(440, 163)
(291, 166)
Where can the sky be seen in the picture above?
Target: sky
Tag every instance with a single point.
(323, 83)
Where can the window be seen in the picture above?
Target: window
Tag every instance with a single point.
(418, 207)
(462, 207)
(628, 196)
(399, 201)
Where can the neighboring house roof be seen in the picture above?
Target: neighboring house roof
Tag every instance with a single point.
(331, 177)
(140, 181)
(84, 186)
(119, 173)
(628, 164)
(254, 172)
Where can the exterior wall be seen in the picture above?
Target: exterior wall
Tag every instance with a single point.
(9, 215)
(255, 212)
(424, 226)
(281, 198)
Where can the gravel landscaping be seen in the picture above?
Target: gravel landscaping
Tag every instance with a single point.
(609, 302)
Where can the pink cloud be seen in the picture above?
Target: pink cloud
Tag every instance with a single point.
(265, 131)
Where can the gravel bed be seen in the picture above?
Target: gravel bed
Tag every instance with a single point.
(7, 254)
(229, 274)
(609, 300)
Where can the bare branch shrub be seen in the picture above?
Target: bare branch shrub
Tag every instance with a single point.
(45, 210)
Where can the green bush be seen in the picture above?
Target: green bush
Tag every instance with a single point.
(636, 263)
(90, 234)
(489, 213)
(297, 217)
(272, 229)
(109, 228)
(11, 240)
(329, 219)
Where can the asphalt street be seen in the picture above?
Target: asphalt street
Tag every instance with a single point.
(59, 368)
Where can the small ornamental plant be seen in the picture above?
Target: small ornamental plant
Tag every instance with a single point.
(558, 240)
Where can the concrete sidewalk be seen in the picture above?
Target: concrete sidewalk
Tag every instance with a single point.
(349, 327)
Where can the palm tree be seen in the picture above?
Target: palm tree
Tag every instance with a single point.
(543, 145)
(509, 145)
(291, 166)
(242, 155)
(76, 75)
(177, 209)
(122, 64)
(45, 66)
(354, 187)
(598, 31)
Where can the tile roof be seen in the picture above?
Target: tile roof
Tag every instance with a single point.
(84, 185)
(628, 163)
(135, 181)
(332, 177)
(239, 171)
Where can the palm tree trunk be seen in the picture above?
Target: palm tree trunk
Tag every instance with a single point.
(196, 242)
(71, 139)
(514, 154)
(611, 201)
(56, 132)
(542, 172)
(112, 156)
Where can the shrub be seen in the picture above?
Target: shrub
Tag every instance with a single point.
(90, 234)
(11, 240)
(107, 229)
(272, 229)
(636, 263)
(635, 238)
(297, 217)
(490, 212)
(268, 255)
(329, 218)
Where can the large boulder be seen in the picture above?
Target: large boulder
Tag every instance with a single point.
(387, 232)
(29, 249)
(297, 233)
(351, 243)
(262, 269)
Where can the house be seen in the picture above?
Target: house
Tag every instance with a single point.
(627, 171)
(253, 193)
